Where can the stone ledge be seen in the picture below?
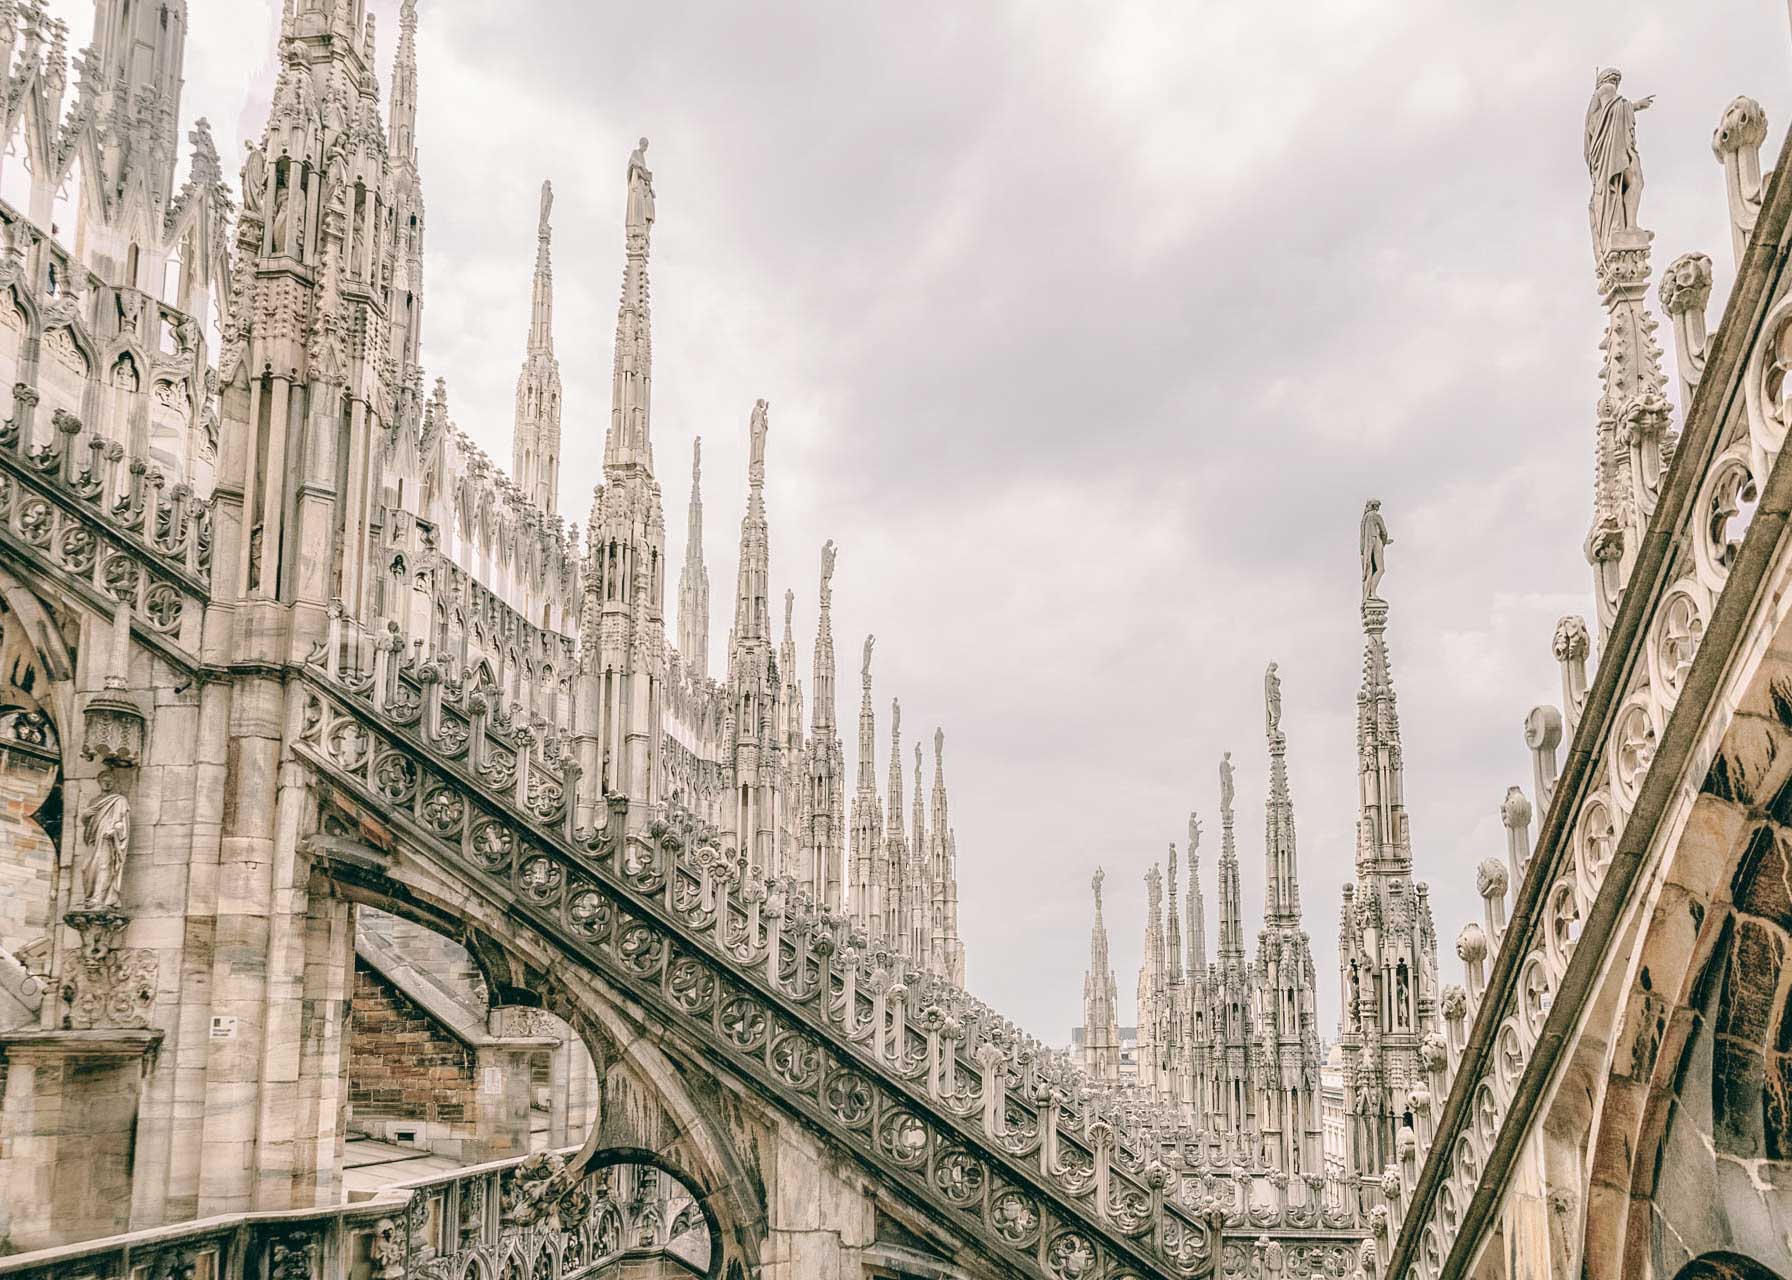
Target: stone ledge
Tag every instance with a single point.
(100, 1042)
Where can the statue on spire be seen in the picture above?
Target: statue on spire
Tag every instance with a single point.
(1272, 699)
(640, 189)
(1612, 161)
(1375, 542)
(547, 207)
(1095, 883)
(1226, 789)
(1194, 834)
(865, 671)
(756, 460)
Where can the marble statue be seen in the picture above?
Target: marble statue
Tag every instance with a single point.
(1272, 699)
(106, 831)
(1375, 542)
(1612, 161)
(255, 180)
(1194, 834)
(757, 429)
(865, 671)
(828, 552)
(1226, 788)
(640, 187)
(547, 202)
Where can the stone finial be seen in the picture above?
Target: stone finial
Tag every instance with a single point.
(1471, 944)
(1570, 646)
(1515, 810)
(1685, 289)
(1736, 143)
(1686, 284)
(1543, 734)
(1490, 881)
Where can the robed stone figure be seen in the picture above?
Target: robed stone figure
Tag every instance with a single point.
(640, 188)
(106, 831)
(1612, 161)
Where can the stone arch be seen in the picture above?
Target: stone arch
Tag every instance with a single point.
(697, 1146)
(1723, 1265)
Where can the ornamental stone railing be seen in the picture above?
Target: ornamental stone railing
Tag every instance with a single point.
(108, 527)
(1716, 513)
(929, 1088)
(459, 1224)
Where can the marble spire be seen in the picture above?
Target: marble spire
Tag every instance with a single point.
(407, 205)
(630, 439)
(1634, 435)
(869, 883)
(1172, 925)
(1197, 905)
(1231, 915)
(1101, 1028)
(1281, 907)
(535, 441)
(827, 758)
(1387, 946)
(895, 852)
(693, 579)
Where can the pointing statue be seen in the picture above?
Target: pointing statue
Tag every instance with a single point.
(1375, 541)
(1612, 161)
(640, 188)
(1272, 699)
(106, 829)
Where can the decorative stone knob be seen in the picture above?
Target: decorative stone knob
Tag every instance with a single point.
(1570, 643)
(1490, 882)
(1686, 284)
(1471, 943)
(1515, 812)
(1744, 124)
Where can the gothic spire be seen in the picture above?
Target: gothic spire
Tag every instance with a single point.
(1281, 903)
(893, 836)
(1172, 925)
(1101, 1030)
(1231, 925)
(630, 441)
(751, 620)
(693, 579)
(824, 713)
(1382, 840)
(407, 204)
(1197, 905)
(869, 882)
(402, 133)
(535, 443)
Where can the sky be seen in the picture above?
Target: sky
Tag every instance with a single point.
(1087, 329)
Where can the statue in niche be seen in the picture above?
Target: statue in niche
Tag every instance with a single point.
(1375, 543)
(1612, 161)
(282, 195)
(1272, 699)
(1226, 784)
(640, 188)
(106, 831)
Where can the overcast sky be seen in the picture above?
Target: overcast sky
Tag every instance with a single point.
(1087, 328)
